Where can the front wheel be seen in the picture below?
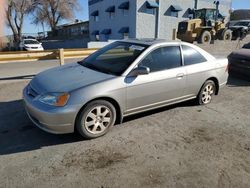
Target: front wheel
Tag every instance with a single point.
(96, 119)
(206, 93)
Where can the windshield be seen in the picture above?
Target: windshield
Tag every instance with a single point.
(31, 42)
(114, 58)
(208, 14)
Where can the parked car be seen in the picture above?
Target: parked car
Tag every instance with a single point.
(239, 61)
(31, 45)
(240, 29)
(121, 79)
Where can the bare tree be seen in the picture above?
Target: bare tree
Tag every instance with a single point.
(51, 12)
(2, 21)
(2, 16)
(15, 12)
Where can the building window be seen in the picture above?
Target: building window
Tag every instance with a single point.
(111, 11)
(96, 18)
(125, 12)
(96, 35)
(95, 15)
(151, 7)
(124, 7)
(125, 32)
(174, 10)
(174, 14)
(125, 36)
(111, 15)
(106, 33)
(150, 11)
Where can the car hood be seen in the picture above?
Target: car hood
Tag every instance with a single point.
(66, 78)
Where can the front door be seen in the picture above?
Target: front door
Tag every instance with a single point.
(164, 84)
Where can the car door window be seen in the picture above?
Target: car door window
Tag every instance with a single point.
(192, 56)
(163, 58)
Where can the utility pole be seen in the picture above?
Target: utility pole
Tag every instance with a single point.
(217, 3)
(157, 20)
(195, 4)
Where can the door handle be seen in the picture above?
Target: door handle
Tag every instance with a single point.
(180, 76)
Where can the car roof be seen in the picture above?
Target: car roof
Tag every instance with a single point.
(150, 41)
(158, 42)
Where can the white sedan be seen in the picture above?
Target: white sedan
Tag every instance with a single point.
(31, 45)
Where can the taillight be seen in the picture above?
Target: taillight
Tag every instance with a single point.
(227, 68)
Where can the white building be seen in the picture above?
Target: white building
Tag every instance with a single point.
(118, 19)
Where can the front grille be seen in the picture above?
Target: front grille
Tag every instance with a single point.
(34, 47)
(182, 27)
(31, 92)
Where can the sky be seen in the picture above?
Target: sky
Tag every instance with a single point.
(82, 14)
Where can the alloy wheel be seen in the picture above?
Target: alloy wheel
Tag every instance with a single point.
(207, 93)
(98, 119)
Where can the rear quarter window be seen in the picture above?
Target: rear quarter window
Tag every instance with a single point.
(192, 56)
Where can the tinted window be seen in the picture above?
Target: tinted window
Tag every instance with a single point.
(192, 56)
(114, 58)
(163, 58)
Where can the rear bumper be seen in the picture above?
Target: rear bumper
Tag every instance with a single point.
(240, 72)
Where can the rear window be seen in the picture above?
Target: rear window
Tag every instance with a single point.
(192, 56)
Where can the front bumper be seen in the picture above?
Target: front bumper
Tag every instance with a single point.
(56, 120)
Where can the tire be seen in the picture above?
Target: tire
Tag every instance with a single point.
(205, 38)
(96, 119)
(227, 35)
(206, 93)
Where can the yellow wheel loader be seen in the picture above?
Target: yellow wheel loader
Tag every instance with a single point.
(206, 26)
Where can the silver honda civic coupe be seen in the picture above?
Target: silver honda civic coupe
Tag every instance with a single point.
(123, 78)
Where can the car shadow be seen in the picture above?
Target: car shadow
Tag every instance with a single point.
(19, 134)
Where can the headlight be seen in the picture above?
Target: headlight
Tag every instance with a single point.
(55, 99)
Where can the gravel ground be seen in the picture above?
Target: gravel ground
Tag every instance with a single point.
(179, 146)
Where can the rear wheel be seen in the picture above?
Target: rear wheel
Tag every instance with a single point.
(206, 93)
(227, 35)
(97, 118)
(205, 37)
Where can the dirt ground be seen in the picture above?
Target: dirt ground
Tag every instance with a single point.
(182, 146)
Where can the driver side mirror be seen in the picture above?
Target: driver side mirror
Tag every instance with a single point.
(141, 70)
